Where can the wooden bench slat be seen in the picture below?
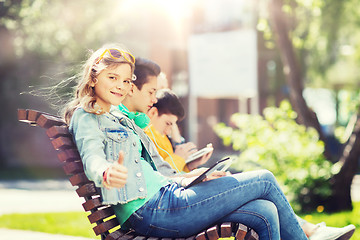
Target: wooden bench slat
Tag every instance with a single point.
(79, 179)
(87, 190)
(127, 236)
(71, 168)
(47, 121)
(152, 238)
(140, 238)
(105, 226)
(115, 235)
(226, 230)
(191, 238)
(201, 236)
(62, 143)
(241, 232)
(22, 115)
(68, 155)
(251, 235)
(212, 233)
(101, 214)
(33, 115)
(91, 204)
(57, 131)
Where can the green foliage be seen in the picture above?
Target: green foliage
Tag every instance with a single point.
(277, 143)
(325, 38)
(47, 41)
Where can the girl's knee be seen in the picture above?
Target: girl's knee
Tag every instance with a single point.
(270, 211)
(263, 210)
(266, 174)
(267, 218)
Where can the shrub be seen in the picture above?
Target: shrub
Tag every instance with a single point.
(277, 143)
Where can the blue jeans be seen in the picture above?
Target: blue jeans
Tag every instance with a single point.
(252, 198)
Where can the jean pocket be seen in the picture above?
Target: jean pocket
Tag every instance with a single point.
(136, 217)
(156, 231)
(135, 221)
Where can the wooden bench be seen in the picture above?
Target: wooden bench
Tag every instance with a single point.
(103, 215)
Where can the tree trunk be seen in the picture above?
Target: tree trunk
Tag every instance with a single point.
(292, 71)
(341, 182)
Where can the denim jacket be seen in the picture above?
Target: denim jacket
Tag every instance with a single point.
(100, 138)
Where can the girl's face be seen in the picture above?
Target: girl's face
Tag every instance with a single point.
(145, 98)
(112, 85)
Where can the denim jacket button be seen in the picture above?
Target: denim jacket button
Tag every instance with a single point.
(136, 160)
(134, 144)
(141, 189)
(138, 174)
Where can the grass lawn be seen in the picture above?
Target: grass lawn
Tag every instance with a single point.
(338, 219)
(67, 223)
(77, 224)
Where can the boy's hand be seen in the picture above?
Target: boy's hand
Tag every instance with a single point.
(200, 161)
(185, 150)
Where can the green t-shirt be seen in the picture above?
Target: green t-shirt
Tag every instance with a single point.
(154, 181)
(124, 211)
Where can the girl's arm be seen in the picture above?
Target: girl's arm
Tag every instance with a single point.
(90, 142)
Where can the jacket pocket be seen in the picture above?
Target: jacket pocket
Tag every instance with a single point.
(116, 135)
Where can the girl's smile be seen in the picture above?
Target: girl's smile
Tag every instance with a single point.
(117, 94)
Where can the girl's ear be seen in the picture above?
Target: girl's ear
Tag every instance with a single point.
(93, 82)
(153, 112)
(131, 92)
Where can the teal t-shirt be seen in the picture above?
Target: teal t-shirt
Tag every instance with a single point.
(154, 181)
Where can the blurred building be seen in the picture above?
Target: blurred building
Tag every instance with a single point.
(210, 50)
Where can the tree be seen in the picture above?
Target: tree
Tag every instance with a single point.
(292, 69)
(40, 42)
(341, 181)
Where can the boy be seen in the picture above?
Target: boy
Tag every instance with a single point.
(163, 116)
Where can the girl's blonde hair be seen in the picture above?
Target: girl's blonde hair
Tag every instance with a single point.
(98, 61)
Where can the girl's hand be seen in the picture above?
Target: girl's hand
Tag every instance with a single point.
(215, 175)
(116, 175)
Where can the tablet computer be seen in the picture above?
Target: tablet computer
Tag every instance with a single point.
(221, 165)
(200, 153)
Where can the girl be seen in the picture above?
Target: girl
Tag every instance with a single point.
(120, 160)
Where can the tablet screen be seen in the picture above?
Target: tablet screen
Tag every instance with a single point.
(221, 165)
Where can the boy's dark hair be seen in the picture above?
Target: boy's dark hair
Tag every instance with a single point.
(144, 68)
(169, 103)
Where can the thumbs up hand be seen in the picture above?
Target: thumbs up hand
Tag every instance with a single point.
(116, 175)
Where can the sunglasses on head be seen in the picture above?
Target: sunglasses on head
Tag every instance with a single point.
(116, 54)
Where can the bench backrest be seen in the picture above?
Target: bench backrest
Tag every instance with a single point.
(62, 141)
(103, 215)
